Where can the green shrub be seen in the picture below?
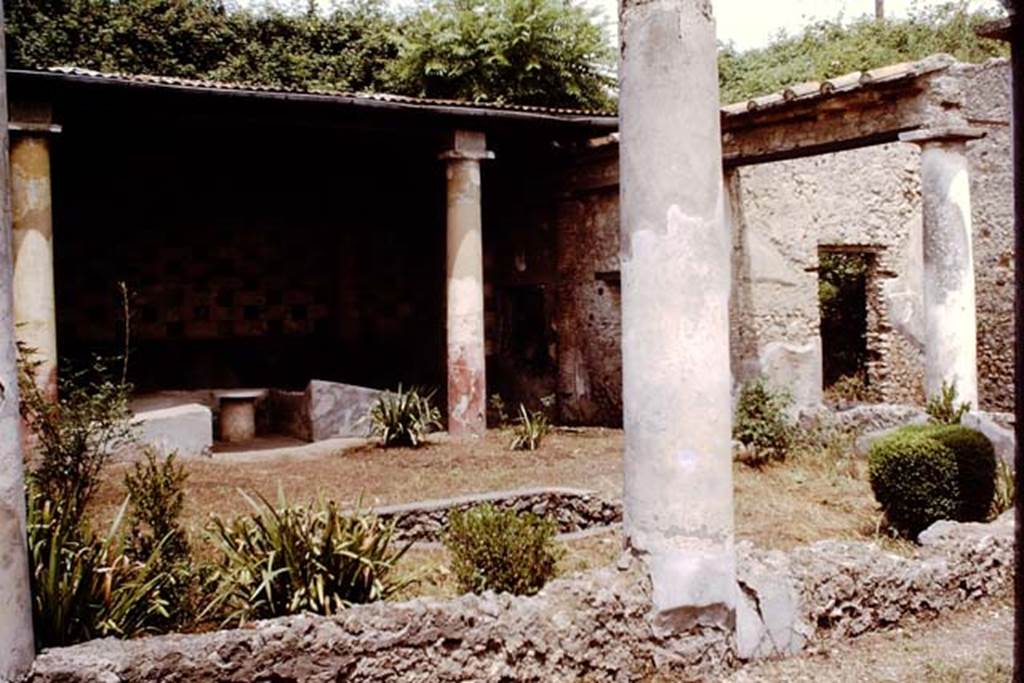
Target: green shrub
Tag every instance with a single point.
(501, 550)
(531, 426)
(404, 418)
(761, 424)
(156, 495)
(976, 468)
(915, 480)
(85, 585)
(74, 436)
(291, 559)
(944, 409)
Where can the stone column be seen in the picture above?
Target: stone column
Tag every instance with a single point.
(34, 305)
(675, 257)
(467, 385)
(16, 640)
(949, 307)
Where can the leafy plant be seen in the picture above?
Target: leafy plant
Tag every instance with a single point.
(975, 465)
(501, 550)
(544, 52)
(944, 409)
(914, 479)
(75, 435)
(288, 559)
(761, 424)
(1006, 488)
(404, 418)
(530, 429)
(156, 496)
(499, 410)
(849, 389)
(83, 585)
(531, 426)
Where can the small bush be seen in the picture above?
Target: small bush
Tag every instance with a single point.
(291, 559)
(156, 495)
(404, 418)
(75, 435)
(849, 389)
(915, 480)
(531, 426)
(1006, 488)
(976, 468)
(944, 409)
(85, 585)
(761, 424)
(501, 550)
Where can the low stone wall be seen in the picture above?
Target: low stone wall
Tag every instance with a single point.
(574, 510)
(594, 626)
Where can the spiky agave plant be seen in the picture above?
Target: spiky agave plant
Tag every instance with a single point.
(289, 559)
(404, 417)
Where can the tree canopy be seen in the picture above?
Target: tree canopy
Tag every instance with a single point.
(523, 51)
(832, 48)
(544, 52)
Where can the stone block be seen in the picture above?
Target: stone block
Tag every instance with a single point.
(1004, 440)
(795, 368)
(185, 429)
(339, 410)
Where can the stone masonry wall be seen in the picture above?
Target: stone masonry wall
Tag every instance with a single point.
(593, 626)
(866, 199)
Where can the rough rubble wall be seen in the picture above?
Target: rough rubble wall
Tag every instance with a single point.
(590, 305)
(860, 199)
(988, 107)
(866, 199)
(594, 626)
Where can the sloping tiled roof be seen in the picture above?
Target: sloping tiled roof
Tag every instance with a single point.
(816, 90)
(203, 84)
(797, 93)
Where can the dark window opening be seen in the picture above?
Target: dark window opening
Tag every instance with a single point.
(843, 298)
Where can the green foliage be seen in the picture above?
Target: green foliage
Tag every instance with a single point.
(976, 468)
(74, 436)
(849, 389)
(944, 409)
(543, 52)
(1005, 489)
(761, 424)
(498, 411)
(290, 559)
(404, 418)
(501, 550)
(523, 51)
(915, 480)
(829, 48)
(156, 493)
(86, 585)
(531, 426)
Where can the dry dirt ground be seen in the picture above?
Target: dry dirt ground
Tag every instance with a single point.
(804, 499)
(783, 505)
(787, 504)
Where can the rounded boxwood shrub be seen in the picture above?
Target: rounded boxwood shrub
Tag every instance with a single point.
(501, 550)
(976, 468)
(915, 479)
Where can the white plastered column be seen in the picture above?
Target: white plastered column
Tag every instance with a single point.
(675, 259)
(949, 299)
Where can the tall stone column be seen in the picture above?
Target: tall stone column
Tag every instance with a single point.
(675, 258)
(17, 647)
(949, 306)
(35, 313)
(467, 384)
